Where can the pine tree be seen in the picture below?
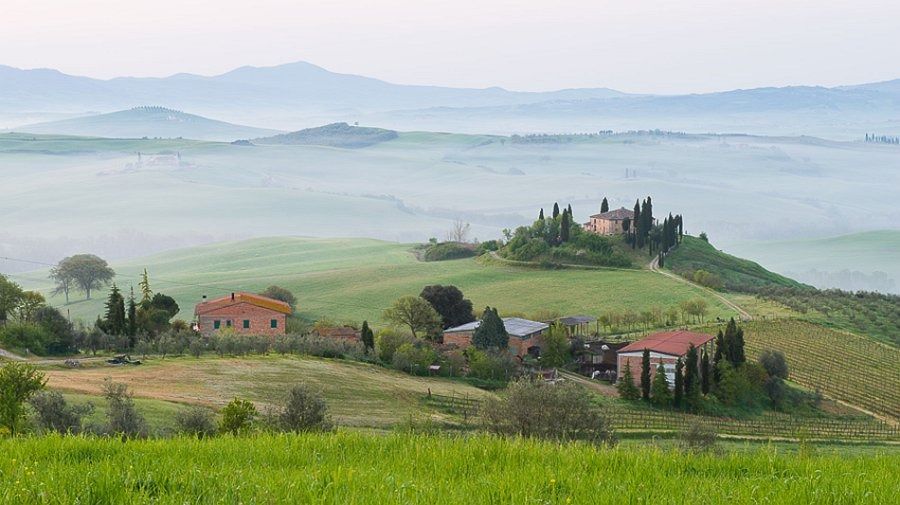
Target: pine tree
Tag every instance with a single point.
(367, 336)
(115, 312)
(541, 215)
(625, 386)
(645, 375)
(144, 285)
(555, 210)
(491, 332)
(704, 373)
(660, 394)
(679, 383)
(604, 205)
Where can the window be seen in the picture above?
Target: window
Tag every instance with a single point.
(228, 323)
(217, 324)
(246, 323)
(273, 323)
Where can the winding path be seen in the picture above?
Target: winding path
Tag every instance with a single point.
(653, 266)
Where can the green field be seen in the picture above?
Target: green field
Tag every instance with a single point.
(358, 394)
(349, 468)
(355, 279)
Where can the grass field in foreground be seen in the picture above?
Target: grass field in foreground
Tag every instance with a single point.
(352, 468)
(358, 394)
(355, 279)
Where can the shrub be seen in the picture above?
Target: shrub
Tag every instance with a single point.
(774, 363)
(699, 438)
(489, 246)
(281, 294)
(238, 417)
(18, 383)
(196, 421)
(121, 414)
(414, 358)
(53, 413)
(62, 334)
(304, 410)
(562, 411)
(388, 341)
(28, 336)
(448, 251)
(491, 365)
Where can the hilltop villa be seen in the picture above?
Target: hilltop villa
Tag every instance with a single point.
(524, 335)
(246, 313)
(609, 223)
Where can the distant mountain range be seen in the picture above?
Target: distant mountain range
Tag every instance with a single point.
(151, 122)
(298, 95)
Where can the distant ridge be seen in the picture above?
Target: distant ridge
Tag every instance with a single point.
(147, 121)
(333, 135)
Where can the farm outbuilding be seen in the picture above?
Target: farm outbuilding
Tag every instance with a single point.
(245, 313)
(524, 335)
(665, 347)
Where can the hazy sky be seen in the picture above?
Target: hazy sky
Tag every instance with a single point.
(660, 46)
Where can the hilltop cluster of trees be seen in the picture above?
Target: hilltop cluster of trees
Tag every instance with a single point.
(146, 318)
(882, 139)
(558, 239)
(643, 229)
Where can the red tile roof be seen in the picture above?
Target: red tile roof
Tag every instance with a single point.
(615, 215)
(674, 343)
(241, 297)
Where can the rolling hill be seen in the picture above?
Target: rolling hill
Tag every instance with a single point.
(150, 122)
(356, 279)
(333, 135)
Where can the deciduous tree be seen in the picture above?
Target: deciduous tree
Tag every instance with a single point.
(89, 272)
(415, 313)
(450, 303)
(18, 383)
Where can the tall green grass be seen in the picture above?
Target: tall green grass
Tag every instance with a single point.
(351, 468)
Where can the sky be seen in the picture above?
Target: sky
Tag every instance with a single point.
(641, 46)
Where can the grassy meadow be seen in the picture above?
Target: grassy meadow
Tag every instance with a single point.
(351, 468)
(356, 279)
(358, 394)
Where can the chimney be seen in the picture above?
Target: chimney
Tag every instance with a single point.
(232, 296)
(203, 298)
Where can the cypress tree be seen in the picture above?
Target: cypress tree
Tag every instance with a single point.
(604, 205)
(541, 215)
(564, 227)
(569, 208)
(636, 225)
(367, 336)
(645, 375)
(132, 318)
(691, 366)
(555, 210)
(704, 373)
(625, 386)
(718, 356)
(739, 356)
(679, 383)
(660, 396)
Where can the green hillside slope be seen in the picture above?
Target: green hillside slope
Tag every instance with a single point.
(356, 279)
(736, 274)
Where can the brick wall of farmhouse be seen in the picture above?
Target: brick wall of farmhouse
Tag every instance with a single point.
(635, 363)
(260, 320)
(517, 345)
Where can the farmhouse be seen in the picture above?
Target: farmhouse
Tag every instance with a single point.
(665, 347)
(609, 223)
(524, 335)
(246, 313)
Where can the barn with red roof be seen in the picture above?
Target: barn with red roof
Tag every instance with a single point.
(665, 347)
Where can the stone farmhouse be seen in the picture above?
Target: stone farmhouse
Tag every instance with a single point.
(609, 223)
(665, 347)
(524, 335)
(246, 313)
